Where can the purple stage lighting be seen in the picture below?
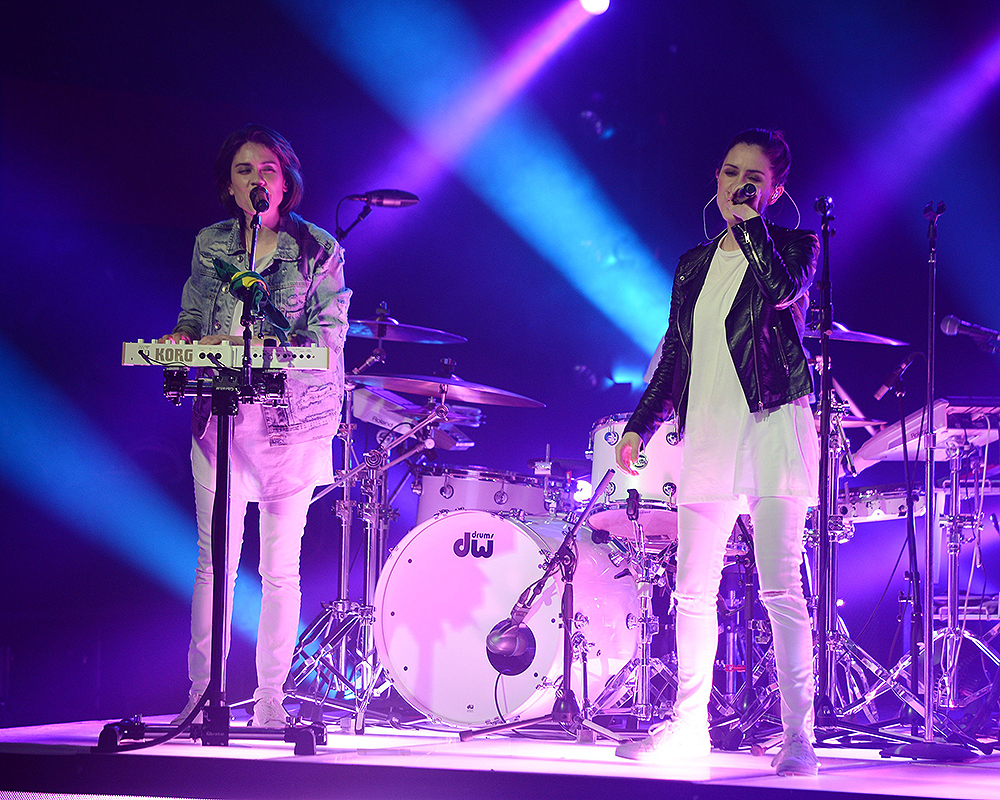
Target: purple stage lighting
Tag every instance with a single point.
(595, 6)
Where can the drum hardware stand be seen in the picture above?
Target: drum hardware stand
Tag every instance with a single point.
(566, 709)
(638, 672)
(828, 636)
(952, 635)
(323, 672)
(229, 388)
(930, 748)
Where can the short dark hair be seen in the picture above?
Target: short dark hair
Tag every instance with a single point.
(291, 169)
(772, 144)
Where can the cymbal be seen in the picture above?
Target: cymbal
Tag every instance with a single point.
(393, 331)
(850, 421)
(843, 334)
(453, 388)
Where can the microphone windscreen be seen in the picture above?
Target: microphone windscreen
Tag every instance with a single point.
(950, 325)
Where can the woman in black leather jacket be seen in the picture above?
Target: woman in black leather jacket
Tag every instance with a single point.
(734, 376)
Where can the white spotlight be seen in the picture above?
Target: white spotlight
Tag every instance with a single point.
(595, 6)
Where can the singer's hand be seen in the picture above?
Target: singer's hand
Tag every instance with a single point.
(739, 212)
(627, 452)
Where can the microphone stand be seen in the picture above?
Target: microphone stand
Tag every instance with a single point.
(824, 205)
(341, 233)
(566, 709)
(229, 387)
(930, 748)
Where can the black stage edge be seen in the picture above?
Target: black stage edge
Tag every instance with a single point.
(75, 770)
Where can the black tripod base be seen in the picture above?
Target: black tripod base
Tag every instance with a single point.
(305, 738)
(931, 751)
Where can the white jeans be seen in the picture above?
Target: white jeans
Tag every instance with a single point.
(281, 526)
(703, 530)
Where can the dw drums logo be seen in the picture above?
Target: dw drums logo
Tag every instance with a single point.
(478, 543)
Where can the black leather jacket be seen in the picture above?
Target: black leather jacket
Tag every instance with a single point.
(764, 327)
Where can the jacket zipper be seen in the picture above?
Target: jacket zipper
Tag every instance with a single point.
(756, 369)
(781, 352)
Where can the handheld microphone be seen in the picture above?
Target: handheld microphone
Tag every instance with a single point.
(953, 325)
(746, 192)
(387, 198)
(259, 199)
(893, 378)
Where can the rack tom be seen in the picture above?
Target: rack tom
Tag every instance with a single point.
(659, 467)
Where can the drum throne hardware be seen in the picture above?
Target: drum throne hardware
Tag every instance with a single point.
(228, 388)
(635, 678)
(509, 638)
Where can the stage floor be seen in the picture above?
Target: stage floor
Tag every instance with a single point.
(48, 760)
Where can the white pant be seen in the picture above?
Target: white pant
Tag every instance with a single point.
(703, 530)
(281, 526)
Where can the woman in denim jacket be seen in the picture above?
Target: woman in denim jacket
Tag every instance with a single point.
(279, 454)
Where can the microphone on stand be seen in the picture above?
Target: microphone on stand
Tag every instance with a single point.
(893, 377)
(387, 198)
(953, 325)
(259, 199)
(746, 192)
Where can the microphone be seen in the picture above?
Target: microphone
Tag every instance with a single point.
(387, 198)
(259, 199)
(509, 637)
(746, 192)
(953, 325)
(249, 286)
(823, 205)
(893, 377)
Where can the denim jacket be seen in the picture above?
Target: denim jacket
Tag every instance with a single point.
(306, 280)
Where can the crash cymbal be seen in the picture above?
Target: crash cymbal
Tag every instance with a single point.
(843, 334)
(453, 388)
(393, 331)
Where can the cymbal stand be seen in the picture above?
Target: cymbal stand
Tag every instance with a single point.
(318, 674)
(953, 634)
(637, 673)
(335, 614)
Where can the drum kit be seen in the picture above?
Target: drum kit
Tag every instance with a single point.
(481, 536)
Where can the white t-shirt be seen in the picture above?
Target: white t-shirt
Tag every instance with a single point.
(727, 449)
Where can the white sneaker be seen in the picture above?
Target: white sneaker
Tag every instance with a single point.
(193, 699)
(796, 756)
(668, 742)
(268, 713)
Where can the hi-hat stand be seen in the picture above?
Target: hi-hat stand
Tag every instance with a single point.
(319, 664)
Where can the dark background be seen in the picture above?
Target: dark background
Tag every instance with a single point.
(111, 118)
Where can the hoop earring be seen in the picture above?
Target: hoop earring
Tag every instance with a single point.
(704, 218)
(798, 214)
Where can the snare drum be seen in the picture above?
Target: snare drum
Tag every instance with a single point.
(659, 467)
(447, 488)
(452, 579)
